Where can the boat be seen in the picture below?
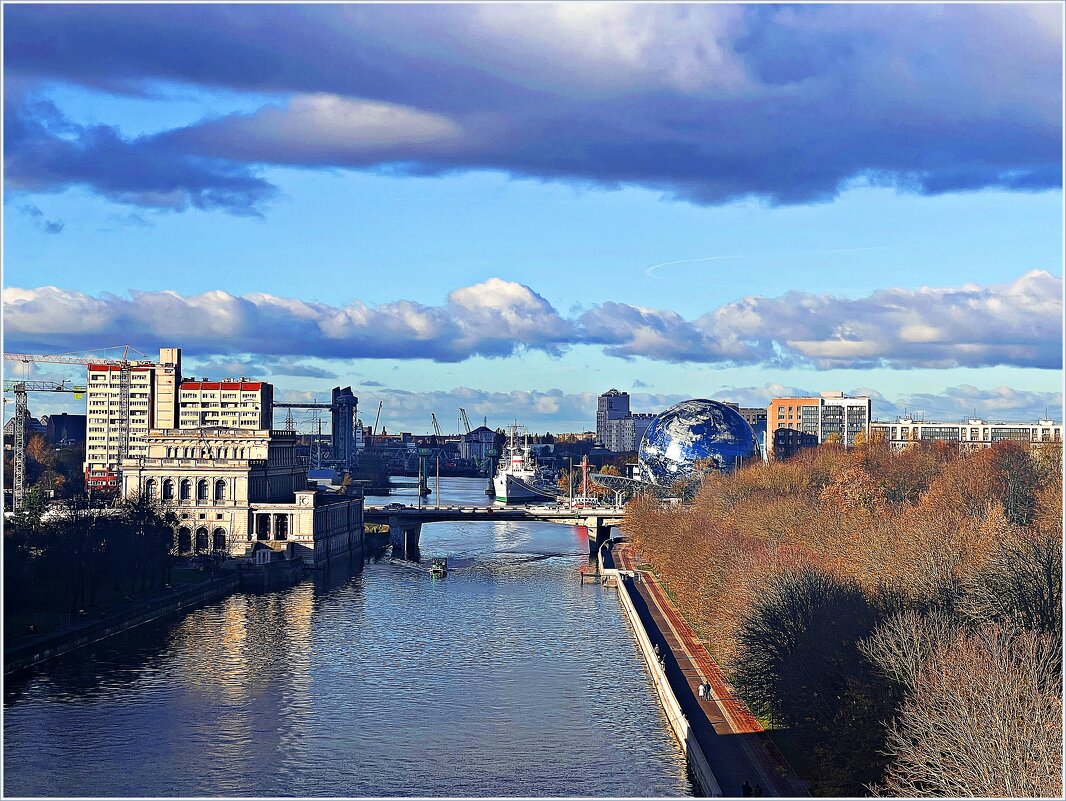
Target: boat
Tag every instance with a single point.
(516, 479)
(439, 568)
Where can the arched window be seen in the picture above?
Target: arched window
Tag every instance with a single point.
(218, 540)
(184, 540)
(201, 490)
(220, 491)
(201, 539)
(186, 489)
(168, 489)
(150, 489)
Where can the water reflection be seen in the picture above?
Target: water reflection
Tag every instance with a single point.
(508, 677)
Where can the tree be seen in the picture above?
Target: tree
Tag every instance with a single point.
(1017, 477)
(984, 718)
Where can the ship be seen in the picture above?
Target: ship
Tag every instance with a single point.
(517, 478)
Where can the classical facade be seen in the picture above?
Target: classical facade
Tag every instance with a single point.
(230, 487)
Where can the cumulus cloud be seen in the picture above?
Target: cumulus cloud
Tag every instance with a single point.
(1017, 324)
(708, 103)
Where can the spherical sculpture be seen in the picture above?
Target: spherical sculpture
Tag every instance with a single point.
(695, 431)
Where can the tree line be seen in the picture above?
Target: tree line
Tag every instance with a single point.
(80, 557)
(899, 615)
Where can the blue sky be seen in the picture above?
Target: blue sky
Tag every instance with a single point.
(706, 201)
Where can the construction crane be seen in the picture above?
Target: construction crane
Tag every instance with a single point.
(466, 420)
(377, 419)
(22, 412)
(125, 371)
(436, 425)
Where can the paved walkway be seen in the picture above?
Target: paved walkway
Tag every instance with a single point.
(733, 741)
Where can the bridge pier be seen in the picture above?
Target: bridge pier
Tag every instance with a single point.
(599, 533)
(405, 538)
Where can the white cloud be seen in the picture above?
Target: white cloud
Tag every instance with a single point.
(1017, 324)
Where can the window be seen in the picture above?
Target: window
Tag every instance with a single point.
(168, 490)
(201, 539)
(201, 490)
(150, 489)
(220, 491)
(186, 489)
(218, 540)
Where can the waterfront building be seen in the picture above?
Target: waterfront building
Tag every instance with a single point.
(971, 434)
(229, 403)
(611, 405)
(231, 487)
(830, 416)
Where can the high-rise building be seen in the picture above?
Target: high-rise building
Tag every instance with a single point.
(116, 427)
(611, 405)
(832, 416)
(972, 434)
(230, 403)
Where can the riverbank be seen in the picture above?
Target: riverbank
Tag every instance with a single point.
(725, 744)
(26, 652)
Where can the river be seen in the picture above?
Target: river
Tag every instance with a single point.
(507, 677)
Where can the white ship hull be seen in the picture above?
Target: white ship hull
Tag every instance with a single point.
(512, 489)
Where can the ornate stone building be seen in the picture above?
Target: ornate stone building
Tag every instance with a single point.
(232, 487)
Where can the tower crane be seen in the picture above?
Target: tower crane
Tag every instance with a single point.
(125, 371)
(22, 411)
(436, 425)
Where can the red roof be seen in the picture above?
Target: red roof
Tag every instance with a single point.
(243, 386)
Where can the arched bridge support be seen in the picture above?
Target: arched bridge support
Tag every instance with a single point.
(599, 533)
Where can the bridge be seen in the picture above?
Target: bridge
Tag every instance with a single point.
(405, 522)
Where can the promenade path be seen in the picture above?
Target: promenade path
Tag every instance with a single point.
(735, 744)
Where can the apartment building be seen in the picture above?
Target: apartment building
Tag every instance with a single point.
(611, 405)
(970, 434)
(623, 434)
(230, 403)
(829, 415)
(113, 429)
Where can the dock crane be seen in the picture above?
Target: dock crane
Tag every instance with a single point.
(125, 370)
(22, 411)
(436, 425)
(377, 419)
(466, 420)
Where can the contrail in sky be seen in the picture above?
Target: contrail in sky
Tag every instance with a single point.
(652, 271)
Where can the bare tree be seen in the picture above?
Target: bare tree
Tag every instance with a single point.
(984, 719)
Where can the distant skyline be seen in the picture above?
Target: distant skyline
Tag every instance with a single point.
(514, 208)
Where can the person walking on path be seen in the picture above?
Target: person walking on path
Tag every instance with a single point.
(758, 789)
(745, 789)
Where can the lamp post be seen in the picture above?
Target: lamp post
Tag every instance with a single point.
(570, 481)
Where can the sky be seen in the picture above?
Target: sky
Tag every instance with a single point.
(513, 208)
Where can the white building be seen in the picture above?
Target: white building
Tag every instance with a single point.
(232, 487)
(623, 434)
(970, 434)
(106, 413)
(228, 403)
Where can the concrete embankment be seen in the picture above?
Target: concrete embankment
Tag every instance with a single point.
(699, 769)
(32, 652)
(725, 744)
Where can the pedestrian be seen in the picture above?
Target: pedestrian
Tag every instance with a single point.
(701, 691)
(758, 789)
(657, 651)
(745, 789)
